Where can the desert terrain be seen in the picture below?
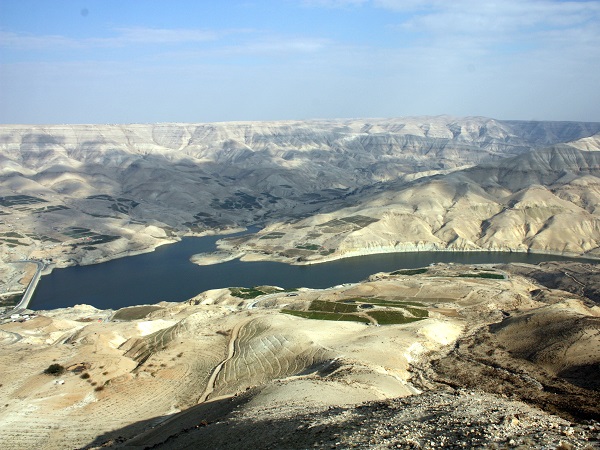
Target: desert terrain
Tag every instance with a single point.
(445, 356)
(387, 361)
(82, 194)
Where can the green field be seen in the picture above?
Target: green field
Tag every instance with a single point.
(391, 317)
(345, 309)
(308, 247)
(273, 235)
(320, 315)
(246, 293)
(334, 307)
(382, 302)
(494, 276)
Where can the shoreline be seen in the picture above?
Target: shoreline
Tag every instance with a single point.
(124, 254)
(254, 257)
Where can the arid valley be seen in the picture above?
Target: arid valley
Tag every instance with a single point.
(450, 355)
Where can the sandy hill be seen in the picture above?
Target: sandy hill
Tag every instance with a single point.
(542, 200)
(446, 355)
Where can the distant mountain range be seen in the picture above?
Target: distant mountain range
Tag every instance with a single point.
(421, 182)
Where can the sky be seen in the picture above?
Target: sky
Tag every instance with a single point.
(146, 61)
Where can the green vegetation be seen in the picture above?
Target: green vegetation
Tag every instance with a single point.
(343, 310)
(246, 293)
(77, 232)
(121, 204)
(361, 221)
(273, 235)
(334, 307)
(351, 223)
(103, 238)
(309, 247)
(494, 276)
(92, 237)
(54, 369)
(257, 291)
(319, 315)
(99, 215)
(421, 313)
(409, 272)
(382, 302)
(203, 222)
(45, 238)
(384, 317)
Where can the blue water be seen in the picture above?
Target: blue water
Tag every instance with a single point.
(167, 274)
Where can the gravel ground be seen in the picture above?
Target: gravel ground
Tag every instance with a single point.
(440, 419)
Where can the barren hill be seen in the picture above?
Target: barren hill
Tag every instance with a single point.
(494, 359)
(86, 193)
(506, 356)
(543, 200)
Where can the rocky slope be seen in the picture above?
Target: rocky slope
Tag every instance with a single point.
(543, 201)
(478, 357)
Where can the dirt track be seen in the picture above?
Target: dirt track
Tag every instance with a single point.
(210, 386)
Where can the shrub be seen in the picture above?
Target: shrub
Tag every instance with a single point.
(54, 369)
(84, 376)
(409, 272)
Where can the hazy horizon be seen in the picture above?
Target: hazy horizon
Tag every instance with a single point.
(111, 62)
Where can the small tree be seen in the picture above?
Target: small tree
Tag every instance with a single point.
(54, 369)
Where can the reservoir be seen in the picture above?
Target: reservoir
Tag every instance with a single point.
(167, 274)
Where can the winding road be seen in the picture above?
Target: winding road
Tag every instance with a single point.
(210, 386)
(24, 303)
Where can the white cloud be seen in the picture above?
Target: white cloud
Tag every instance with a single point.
(28, 41)
(278, 45)
(122, 37)
(508, 16)
(141, 35)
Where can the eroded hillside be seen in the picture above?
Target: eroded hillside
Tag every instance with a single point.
(542, 201)
(80, 194)
(263, 367)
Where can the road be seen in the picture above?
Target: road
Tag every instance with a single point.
(210, 387)
(24, 303)
(14, 337)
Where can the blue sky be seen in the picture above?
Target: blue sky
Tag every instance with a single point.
(142, 61)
